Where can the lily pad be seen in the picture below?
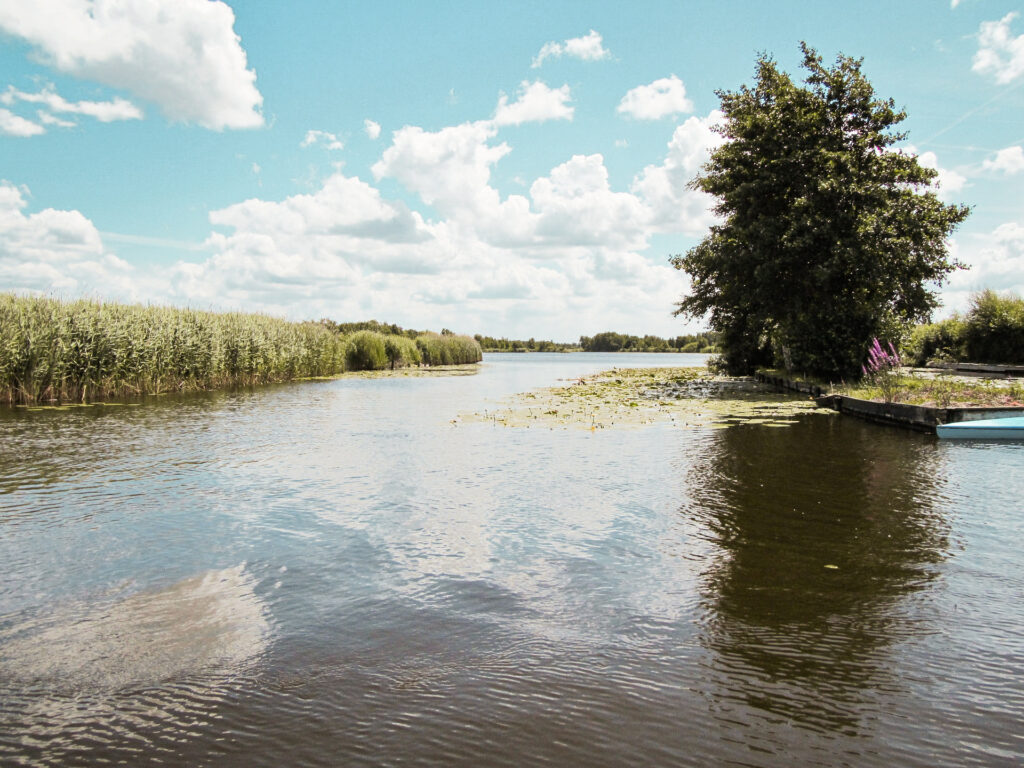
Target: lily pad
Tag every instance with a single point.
(683, 397)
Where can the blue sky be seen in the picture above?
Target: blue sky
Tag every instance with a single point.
(513, 169)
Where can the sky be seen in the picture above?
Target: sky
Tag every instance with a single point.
(512, 169)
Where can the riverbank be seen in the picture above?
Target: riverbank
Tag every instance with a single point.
(919, 399)
(929, 387)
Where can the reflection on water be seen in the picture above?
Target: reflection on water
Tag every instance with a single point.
(817, 557)
(416, 592)
(104, 666)
(210, 622)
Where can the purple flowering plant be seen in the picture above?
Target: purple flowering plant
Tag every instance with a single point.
(883, 369)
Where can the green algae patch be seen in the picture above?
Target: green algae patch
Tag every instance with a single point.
(634, 397)
(470, 369)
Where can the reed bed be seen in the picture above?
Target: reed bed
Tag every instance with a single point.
(59, 351)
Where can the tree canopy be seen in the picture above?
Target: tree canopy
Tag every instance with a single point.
(828, 236)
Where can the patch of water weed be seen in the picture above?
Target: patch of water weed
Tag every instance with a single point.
(682, 397)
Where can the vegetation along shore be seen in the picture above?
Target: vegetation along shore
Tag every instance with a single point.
(57, 351)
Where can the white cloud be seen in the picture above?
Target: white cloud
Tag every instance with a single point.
(590, 47)
(183, 55)
(329, 140)
(536, 102)
(1008, 161)
(55, 251)
(999, 53)
(372, 129)
(568, 255)
(663, 97)
(342, 207)
(949, 183)
(577, 207)
(104, 111)
(13, 125)
(47, 119)
(996, 261)
(449, 169)
(564, 257)
(675, 207)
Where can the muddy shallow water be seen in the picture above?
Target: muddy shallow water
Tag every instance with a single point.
(352, 572)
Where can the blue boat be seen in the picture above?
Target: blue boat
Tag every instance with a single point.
(1009, 428)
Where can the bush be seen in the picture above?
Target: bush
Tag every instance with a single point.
(991, 332)
(936, 342)
(437, 349)
(366, 351)
(994, 329)
(401, 351)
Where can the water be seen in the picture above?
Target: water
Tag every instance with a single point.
(332, 573)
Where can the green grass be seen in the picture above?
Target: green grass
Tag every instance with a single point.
(944, 392)
(76, 351)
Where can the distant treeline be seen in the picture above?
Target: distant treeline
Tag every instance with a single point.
(491, 344)
(609, 341)
(52, 350)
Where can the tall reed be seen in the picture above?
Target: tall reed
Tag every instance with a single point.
(53, 350)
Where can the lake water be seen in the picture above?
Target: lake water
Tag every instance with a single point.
(333, 573)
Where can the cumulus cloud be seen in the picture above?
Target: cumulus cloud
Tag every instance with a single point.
(372, 129)
(55, 251)
(182, 55)
(949, 183)
(590, 47)
(104, 111)
(1000, 54)
(995, 261)
(14, 125)
(577, 206)
(675, 207)
(1008, 161)
(536, 103)
(329, 140)
(567, 255)
(663, 97)
(343, 206)
(449, 169)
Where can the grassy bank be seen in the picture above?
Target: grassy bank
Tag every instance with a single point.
(52, 350)
(941, 392)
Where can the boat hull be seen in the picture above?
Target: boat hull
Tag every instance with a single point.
(1011, 428)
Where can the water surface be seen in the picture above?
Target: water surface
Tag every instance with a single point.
(335, 573)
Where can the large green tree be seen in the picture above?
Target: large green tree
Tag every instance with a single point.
(828, 236)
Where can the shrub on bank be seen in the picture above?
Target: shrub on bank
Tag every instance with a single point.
(936, 342)
(401, 351)
(994, 328)
(366, 351)
(992, 331)
(448, 349)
